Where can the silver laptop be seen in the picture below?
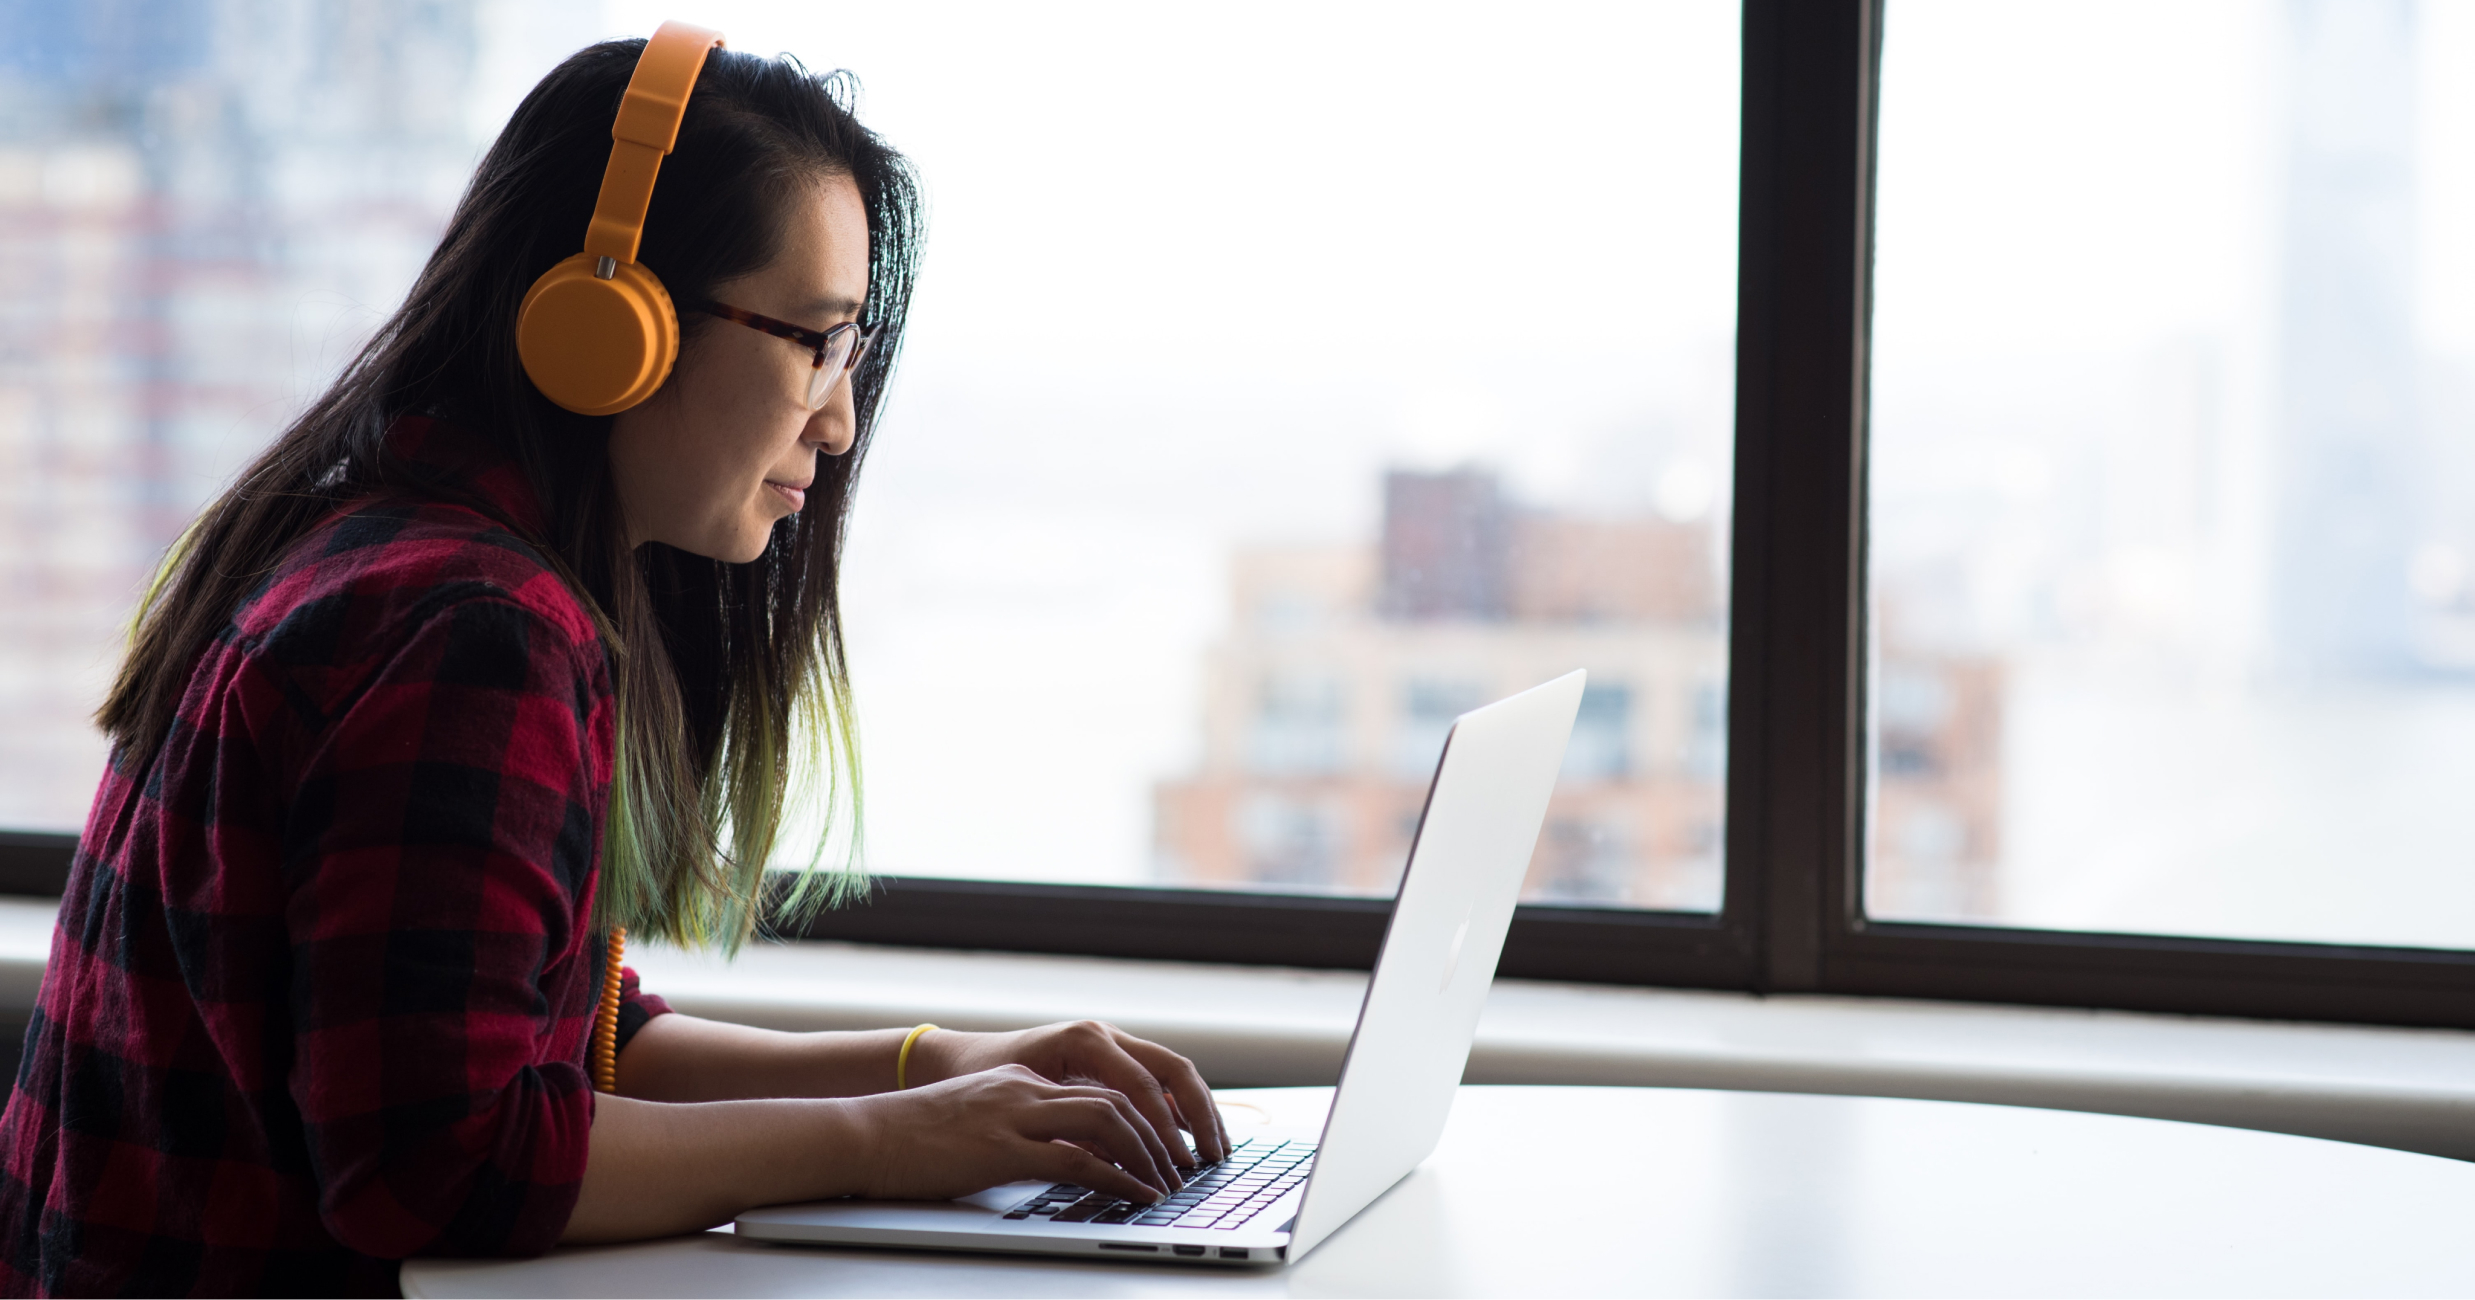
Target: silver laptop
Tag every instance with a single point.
(1277, 1196)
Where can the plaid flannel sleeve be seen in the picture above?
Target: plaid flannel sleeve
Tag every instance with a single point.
(438, 860)
(636, 1007)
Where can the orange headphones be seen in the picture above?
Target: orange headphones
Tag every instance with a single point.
(597, 333)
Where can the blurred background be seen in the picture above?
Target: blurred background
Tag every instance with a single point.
(1286, 379)
(2173, 468)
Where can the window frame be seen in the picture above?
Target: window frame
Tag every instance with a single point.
(1791, 918)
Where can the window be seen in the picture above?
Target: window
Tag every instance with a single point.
(1354, 425)
(2171, 518)
(1858, 848)
(1601, 748)
(1338, 427)
(2069, 606)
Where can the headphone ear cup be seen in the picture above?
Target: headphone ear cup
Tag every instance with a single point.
(595, 346)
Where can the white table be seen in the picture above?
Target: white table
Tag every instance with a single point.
(1646, 1191)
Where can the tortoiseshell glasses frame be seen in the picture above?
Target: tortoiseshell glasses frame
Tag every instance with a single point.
(838, 351)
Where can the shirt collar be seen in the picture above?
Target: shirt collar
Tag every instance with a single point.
(458, 462)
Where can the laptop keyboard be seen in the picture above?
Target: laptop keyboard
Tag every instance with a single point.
(1222, 1195)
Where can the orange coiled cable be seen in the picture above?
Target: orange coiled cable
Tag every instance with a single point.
(606, 1018)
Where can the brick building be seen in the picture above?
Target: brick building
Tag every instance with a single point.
(1326, 706)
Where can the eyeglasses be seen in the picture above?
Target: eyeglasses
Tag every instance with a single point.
(838, 350)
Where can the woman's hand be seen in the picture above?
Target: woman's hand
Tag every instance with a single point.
(718, 1118)
(658, 1168)
(1005, 1125)
(1164, 1088)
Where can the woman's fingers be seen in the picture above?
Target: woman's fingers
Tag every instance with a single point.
(1097, 1119)
(1156, 1167)
(1064, 1162)
(1143, 1128)
(1170, 1179)
(1117, 1130)
(1111, 1065)
(1185, 1085)
(1167, 1094)
(1010, 1122)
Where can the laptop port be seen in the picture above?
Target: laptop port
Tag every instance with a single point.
(1233, 1252)
(1127, 1245)
(1189, 1250)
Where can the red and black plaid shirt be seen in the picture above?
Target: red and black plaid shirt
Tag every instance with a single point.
(320, 991)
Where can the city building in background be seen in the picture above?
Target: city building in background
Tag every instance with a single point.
(1937, 808)
(1326, 707)
(1328, 703)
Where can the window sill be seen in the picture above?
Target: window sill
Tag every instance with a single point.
(2413, 1089)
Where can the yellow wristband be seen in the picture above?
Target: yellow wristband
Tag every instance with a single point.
(902, 1062)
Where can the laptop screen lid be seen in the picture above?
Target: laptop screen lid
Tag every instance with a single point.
(1456, 901)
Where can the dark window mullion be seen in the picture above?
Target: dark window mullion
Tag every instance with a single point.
(1795, 773)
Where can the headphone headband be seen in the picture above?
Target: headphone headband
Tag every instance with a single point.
(597, 332)
(646, 128)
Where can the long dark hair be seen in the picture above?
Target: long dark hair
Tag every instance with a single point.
(739, 659)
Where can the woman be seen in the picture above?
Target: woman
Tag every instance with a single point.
(453, 682)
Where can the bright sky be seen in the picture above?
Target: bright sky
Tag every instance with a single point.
(1368, 175)
(2104, 175)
